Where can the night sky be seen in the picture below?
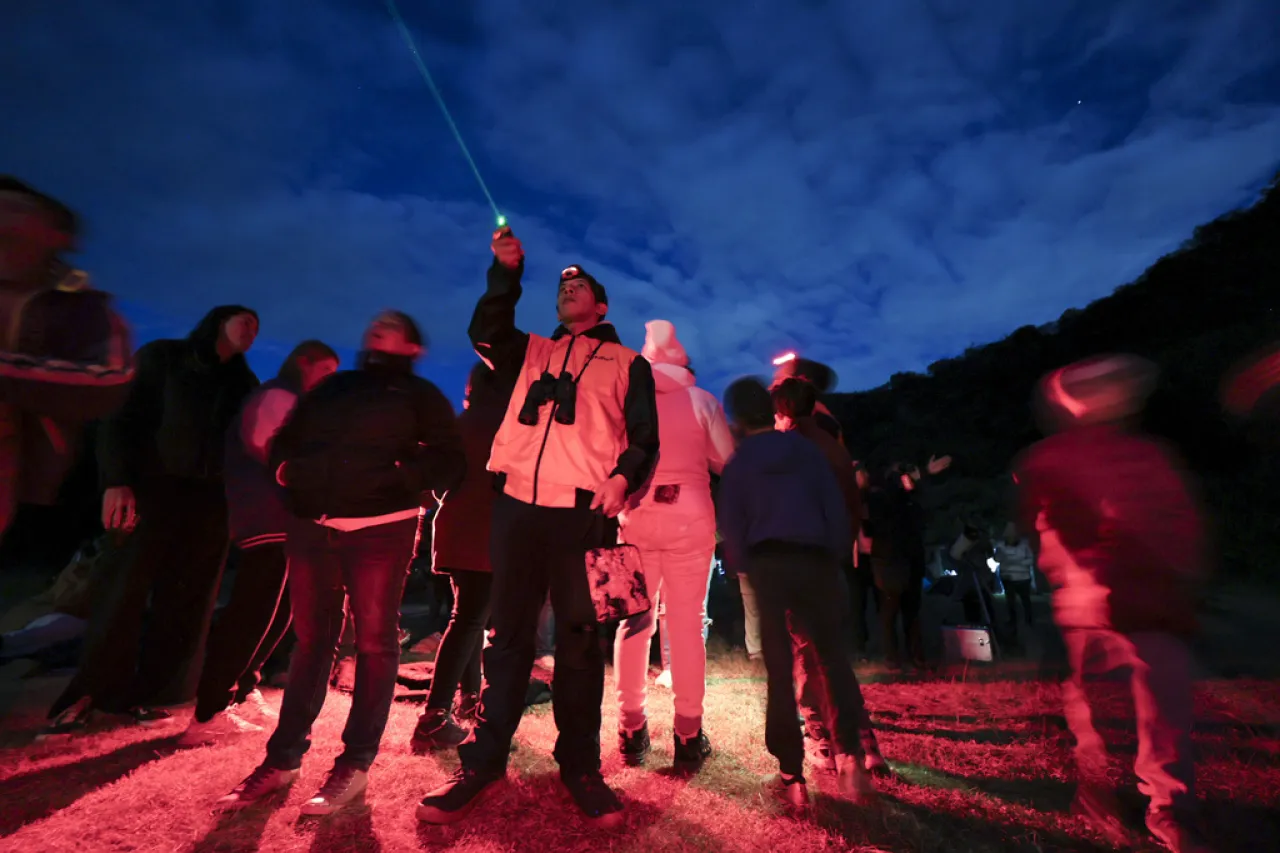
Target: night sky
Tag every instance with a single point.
(877, 184)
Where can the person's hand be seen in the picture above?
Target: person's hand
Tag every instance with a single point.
(506, 248)
(119, 509)
(938, 464)
(611, 495)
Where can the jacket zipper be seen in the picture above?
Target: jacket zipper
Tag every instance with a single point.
(551, 419)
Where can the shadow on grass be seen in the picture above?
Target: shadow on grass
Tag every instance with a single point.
(999, 737)
(894, 822)
(1043, 795)
(32, 796)
(241, 831)
(536, 814)
(348, 830)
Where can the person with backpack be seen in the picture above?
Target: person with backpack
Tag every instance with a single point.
(1123, 541)
(356, 459)
(161, 461)
(65, 353)
(786, 525)
(258, 614)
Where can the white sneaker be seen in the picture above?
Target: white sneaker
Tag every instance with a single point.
(663, 680)
(224, 725)
(256, 703)
(547, 662)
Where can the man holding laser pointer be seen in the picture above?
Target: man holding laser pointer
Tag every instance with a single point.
(579, 436)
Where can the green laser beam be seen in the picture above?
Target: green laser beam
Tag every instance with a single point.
(435, 91)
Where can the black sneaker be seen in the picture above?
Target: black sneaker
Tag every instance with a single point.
(72, 721)
(150, 716)
(455, 799)
(436, 730)
(791, 791)
(692, 752)
(467, 708)
(258, 785)
(597, 801)
(634, 746)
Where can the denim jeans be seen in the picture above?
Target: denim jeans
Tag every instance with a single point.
(536, 549)
(326, 567)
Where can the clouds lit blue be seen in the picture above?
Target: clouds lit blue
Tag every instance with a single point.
(878, 184)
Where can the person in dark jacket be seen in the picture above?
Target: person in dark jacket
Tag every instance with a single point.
(787, 525)
(65, 354)
(160, 459)
(258, 614)
(356, 458)
(579, 436)
(793, 403)
(895, 526)
(460, 549)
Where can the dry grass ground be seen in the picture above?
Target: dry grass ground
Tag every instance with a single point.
(982, 765)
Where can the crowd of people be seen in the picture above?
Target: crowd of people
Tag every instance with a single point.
(570, 449)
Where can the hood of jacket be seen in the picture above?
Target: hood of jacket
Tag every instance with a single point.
(668, 378)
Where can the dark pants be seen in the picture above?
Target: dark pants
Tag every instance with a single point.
(862, 587)
(247, 630)
(326, 567)
(533, 549)
(1015, 591)
(173, 558)
(458, 658)
(907, 604)
(800, 588)
(812, 693)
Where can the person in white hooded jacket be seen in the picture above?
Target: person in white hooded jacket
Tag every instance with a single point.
(673, 523)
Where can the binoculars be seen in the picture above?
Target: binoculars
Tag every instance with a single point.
(562, 391)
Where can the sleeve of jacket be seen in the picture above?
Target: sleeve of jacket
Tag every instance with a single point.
(640, 410)
(731, 518)
(719, 438)
(440, 461)
(124, 438)
(263, 415)
(835, 508)
(493, 329)
(284, 444)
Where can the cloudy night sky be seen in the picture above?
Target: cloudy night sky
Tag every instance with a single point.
(876, 184)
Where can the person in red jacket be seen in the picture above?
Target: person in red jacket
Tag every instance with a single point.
(65, 354)
(579, 436)
(1123, 542)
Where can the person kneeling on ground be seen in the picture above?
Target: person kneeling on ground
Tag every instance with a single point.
(355, 457)
(786, 526)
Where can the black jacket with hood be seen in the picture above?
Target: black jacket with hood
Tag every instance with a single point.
(369, 442)
(175, 419)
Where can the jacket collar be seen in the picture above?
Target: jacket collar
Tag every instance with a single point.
(599, 332)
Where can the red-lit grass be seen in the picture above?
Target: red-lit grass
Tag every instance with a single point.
(983, 766)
